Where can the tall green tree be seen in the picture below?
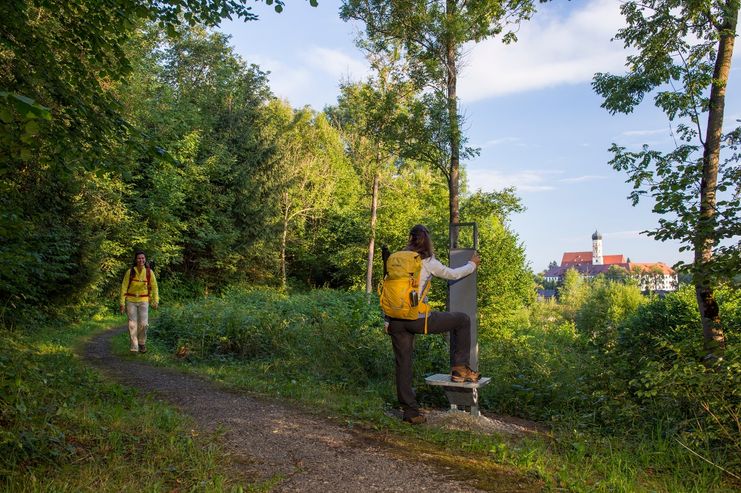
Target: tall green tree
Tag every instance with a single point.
(367, 115)
(683, 50)
(505, 279)
(202, 216)
(572, 293)
(62, 132)
(308, 150)
(430, 35)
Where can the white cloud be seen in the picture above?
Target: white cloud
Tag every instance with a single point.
(502, 140)
(582, 179)
(336, 63)
(643, 133)
(314, 81)
(289, 82)
(551, 50)
(523, 181)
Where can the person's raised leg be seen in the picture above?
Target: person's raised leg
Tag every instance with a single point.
(459, 326)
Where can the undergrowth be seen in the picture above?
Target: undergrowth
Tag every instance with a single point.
(327, 350)
(64, 428)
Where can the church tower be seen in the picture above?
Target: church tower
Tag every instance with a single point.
(597, 249)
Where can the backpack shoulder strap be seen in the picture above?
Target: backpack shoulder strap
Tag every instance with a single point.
(385, 254)
(132, 273)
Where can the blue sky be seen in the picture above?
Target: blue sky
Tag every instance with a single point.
(529, 106)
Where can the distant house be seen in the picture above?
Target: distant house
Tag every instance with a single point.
(656, 276)
(546, 294)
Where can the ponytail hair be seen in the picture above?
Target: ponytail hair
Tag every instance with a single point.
(420, 242)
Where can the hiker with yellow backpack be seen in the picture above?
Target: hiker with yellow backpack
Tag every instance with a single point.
(138, 289)
(407, 278)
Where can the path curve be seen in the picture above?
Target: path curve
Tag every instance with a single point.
(265, 438)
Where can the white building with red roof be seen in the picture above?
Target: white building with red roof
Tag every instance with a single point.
(653, 276)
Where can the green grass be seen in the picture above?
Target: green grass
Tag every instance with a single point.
(64, 428)
(574, 461)
(287, 364)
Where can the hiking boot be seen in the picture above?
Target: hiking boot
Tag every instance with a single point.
(415, 420)
(134, 349)
(464, 374)
(142, 348)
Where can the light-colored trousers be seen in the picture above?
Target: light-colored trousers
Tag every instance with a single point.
(138, 313)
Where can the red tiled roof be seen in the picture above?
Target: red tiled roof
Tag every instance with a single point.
(576, 258)
(571, 258)
(665, 269)
(613, 259)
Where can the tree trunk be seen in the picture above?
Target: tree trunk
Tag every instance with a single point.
(455, 141)
(283, 243)
(706, 302)
(372, 239)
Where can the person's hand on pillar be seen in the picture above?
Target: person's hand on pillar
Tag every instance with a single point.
(121, 309)
(155, 305)
(476, 259)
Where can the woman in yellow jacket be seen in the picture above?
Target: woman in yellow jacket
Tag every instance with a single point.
(138, 288)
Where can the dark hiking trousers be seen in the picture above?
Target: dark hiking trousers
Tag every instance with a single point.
(402, 337)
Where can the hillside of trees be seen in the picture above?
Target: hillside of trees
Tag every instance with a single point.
(199, 165)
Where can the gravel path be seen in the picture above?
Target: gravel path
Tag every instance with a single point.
(268, 440)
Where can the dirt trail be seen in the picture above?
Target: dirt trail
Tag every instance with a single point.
(267, 439)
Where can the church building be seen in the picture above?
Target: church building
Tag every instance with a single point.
(656, 276)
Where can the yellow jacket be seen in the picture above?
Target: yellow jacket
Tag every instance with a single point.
(138, 289)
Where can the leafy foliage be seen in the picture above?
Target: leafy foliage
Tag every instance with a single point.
(300, 332)
(683, 53)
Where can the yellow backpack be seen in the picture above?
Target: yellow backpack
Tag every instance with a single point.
(399, 289)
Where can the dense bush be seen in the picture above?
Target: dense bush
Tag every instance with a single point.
(632, 366)
(329, 335)
(629, 365)
(605, 307)
(536, 373)
(668, 377)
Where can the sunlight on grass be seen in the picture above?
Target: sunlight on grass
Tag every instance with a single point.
(50, 348)
(66, 429)
(342, 366)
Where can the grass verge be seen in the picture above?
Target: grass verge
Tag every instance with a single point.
(326, 351)
(64, 428)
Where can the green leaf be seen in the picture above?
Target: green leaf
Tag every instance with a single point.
(5, 115)
(31, 127)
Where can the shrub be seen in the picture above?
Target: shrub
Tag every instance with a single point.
(330, 335)
(605, 307)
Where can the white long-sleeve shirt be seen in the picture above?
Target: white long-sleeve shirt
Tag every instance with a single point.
(433, 267)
